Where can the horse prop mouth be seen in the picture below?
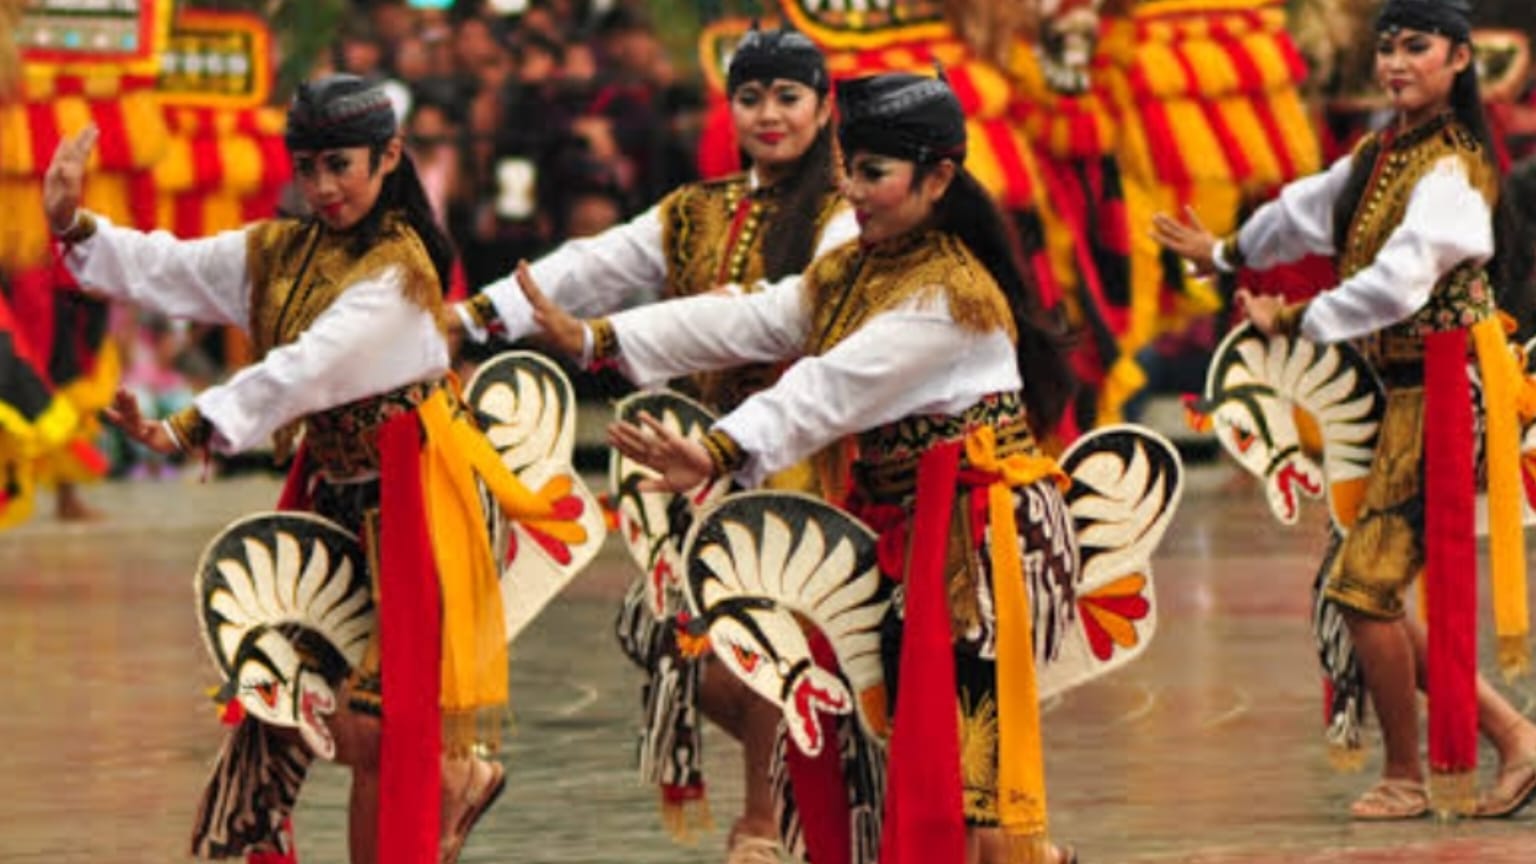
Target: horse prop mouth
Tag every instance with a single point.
(315, 702)
(809, 695)
(1288, 482)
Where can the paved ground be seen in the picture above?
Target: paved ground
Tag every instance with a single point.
(1205, 751)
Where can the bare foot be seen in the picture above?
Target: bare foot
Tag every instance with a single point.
(1392, 798)
(751, 849)
(1513, 788)
(468, 791)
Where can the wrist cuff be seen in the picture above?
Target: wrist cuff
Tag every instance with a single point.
(189, 428)
(1229, 256)
(1288, 319)
(605, 341)
(82, 228)
(724, 452)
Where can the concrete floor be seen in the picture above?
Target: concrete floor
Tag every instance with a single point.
(1207, 750)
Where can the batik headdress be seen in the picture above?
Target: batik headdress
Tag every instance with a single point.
(1452, 18)
(339, 111)
(766, 55)
(901, 115)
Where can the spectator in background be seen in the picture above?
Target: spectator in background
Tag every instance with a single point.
(593, 199)
(394, 21)
(433, 137)
(360, 52)
(411, 62)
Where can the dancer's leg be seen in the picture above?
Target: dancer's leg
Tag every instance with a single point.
(1510, 732)
(1386, 655)
(71, 507)
(753, 721)
(357, 746)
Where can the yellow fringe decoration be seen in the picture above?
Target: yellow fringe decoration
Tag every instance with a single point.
(1346, 760)
(1021, 764)
(1514, 657)
(474, 649)
(1453, 796)
(1503, 382)
(687, 821)
(1019, 849)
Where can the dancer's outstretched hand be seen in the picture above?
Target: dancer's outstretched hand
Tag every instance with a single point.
(1262, 309)
(1190, 240)
(65, 180)
(683, 463)
(124, 414)
(564, 330)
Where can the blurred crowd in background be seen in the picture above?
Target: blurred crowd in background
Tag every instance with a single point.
(536, 121)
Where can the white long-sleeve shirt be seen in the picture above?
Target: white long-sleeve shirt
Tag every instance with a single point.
(371, 340)
(623, 266)
(913, 359)
(1447, 223)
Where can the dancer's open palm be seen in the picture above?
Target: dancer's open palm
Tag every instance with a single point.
(683, 463)
(564, 330)
(124, 414)
(1189, 239)
(65, 180)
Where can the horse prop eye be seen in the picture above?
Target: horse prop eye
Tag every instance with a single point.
(1243, 438)
(746, 658)
(267, 692)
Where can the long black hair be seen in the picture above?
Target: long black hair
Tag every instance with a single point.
(790, 233)
(969, 212)
(1511, 290)
(402, 191)
(1518, 252)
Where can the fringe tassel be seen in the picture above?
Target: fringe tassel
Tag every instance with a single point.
(1514, 657)
(1503, 383)
(1453, 795)
(685, 814)
(473, 732)
(1028, 849)
(1346, 758)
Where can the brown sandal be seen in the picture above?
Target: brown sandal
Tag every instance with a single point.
(453, 844)
(1511, 792)
(1392, 799)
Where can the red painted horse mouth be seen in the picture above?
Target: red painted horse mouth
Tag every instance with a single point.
(808, 699)
(1287, 479)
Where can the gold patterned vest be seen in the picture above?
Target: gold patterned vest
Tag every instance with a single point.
(712, 235)
(1463, 296)
(297, 270)
(852, 284)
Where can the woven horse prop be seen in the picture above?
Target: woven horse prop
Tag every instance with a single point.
(1304, 419)
(770, 574)
(286, 608)
(652, 526)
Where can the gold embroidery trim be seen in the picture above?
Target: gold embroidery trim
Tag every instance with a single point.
(1400, 166)
(852, 284)
(278, 255)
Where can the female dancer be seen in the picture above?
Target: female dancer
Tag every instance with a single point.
(1409, 220)
(765, 224)
(346, 309)
(914, 338)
